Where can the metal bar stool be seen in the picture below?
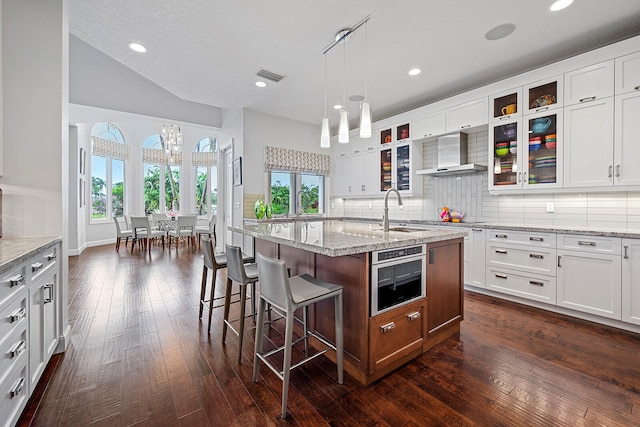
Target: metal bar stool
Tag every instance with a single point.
(288, 294)
(244, 275)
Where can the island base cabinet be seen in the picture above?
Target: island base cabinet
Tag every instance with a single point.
(396, 336)
(590, 282)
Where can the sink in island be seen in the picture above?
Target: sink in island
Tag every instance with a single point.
(359, 256)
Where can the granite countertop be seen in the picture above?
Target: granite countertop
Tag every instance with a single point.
(337, 237)
(16, 250)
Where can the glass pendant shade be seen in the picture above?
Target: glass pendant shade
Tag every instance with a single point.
(325, 140)
(343, 130)
(365, 120)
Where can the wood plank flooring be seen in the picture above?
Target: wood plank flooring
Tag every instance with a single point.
(140, 356)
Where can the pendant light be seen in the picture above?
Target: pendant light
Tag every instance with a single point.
(325, 140)
(343, 130)
(365, 108)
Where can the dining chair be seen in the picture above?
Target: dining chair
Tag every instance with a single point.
(155, 218)
(209, 229)
(185, 227)
(121, 234)
(142, 232)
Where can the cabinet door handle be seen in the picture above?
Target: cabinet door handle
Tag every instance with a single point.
(37, 266)
(586, 243)
(501, 251)
(17, 315)
(48, 287)
(18, 349)
(559, 261)
(536, 256)
(501, 236)
(349, 189)
(542, 109)
(587, 99)
(626, 252)
(618, 171)
(17, 388)
(610, 171)
(636, 88)
(536, 239)
(387, 327)
(476, 229)
(51, 256)
(501, 276)
(519, 176)
(536, 283)
(465, 126)
(505, 117)
(16, 280)
(413, 316)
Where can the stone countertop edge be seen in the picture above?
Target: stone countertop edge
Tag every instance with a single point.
(631, 233)
(16, 250)
(351, 245)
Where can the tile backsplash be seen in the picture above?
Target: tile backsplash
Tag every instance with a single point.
(469, 193)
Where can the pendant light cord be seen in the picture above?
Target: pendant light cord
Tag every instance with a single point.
(366, 54)
(325, 85)
(344, 75)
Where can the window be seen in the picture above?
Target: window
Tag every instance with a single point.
(107, 172)
(308, 197)
(206, 173)
(161, 182)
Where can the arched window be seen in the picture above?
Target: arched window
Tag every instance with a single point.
(205, 163)
(108, 155)
(155, 166)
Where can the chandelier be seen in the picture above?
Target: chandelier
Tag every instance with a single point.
(171, 138)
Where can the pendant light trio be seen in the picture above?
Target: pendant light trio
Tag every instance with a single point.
(365, 107)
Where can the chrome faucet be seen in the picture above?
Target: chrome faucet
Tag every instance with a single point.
(385, 219)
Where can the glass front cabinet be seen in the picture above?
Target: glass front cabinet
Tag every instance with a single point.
(398, 167)
(526, 153)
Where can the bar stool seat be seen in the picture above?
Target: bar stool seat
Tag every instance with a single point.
(245, 275)
(288, 294)
(214, 262)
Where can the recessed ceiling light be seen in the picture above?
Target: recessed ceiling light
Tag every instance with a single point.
(500, 32)
(414, 71)
(559, 5)
(137, 47)
(356, 98)
(337, 107)
(261, 84)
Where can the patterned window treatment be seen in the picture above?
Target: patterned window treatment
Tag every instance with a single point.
(204, 158)
(276, 158)
(108, 148)
(157, 156)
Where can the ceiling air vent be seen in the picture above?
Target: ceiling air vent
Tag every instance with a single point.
(269, 75)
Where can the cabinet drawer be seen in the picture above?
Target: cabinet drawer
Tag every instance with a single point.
(40, 263)
(11, 283)
(14, 393)
(594, 244)
(543, 240)
(537, 288)
(11, 350)
(396, 334)
(13, 317)
(533, 260)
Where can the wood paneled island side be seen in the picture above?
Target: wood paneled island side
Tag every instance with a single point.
(341, 252)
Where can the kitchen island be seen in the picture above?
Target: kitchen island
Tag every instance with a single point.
(346, 252)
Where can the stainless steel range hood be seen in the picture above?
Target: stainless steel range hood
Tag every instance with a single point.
(452, 157)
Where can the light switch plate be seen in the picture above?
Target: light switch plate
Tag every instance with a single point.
(551, 207)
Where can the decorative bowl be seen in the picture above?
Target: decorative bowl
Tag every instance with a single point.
(502, 151)
(543, 100)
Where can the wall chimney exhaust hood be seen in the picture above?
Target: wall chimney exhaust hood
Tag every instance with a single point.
(452, 157)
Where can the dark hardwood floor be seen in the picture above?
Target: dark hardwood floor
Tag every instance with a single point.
(140, 356)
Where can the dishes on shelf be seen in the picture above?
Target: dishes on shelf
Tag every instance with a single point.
(513, 147)
(502, 148)
(550, 141)
(534, 143)
(543, 101)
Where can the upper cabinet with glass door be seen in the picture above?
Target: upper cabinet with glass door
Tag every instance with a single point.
(543, 166)
(543, 95)
(504, 106)
(397, 133)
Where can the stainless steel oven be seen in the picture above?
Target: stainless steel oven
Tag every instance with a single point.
(397, 277)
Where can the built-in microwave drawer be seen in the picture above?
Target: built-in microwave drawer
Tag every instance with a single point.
(537, 288)
(595, 244)
(522, 238)
(530, 259)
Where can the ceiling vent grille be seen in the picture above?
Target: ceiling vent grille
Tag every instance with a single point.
(269, 75)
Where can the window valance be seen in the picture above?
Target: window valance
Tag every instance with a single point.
(157, 156)
(204, 158)
(108, 148)
(276, 158)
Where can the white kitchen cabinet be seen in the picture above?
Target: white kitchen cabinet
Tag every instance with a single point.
(589, 83)
(627, 73)
(543, 95)
(590, 279)
(357, 175)
(43, 336)
(476, 268)
(397, 169)
(588, 144)
(467, 115)
(398, 133)
(428, 126)
(523, 285)
(626, 147)
(631, 281)
(505, 106)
